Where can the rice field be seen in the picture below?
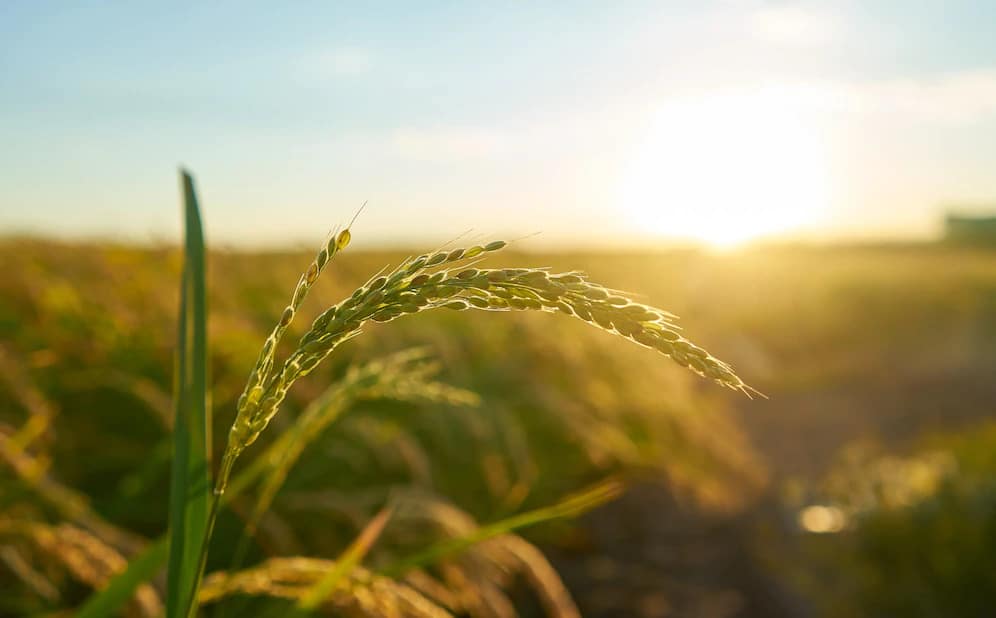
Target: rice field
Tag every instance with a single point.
(496, 464)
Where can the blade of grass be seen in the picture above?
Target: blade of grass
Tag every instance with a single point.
(122, 588)
(572, 506)
(156, 560)
(345, 562)
(190, 483)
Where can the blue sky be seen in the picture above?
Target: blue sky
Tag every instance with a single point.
(589, 122)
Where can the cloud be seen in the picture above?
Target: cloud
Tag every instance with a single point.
(794, 25)
(962, 97)
(955, 98)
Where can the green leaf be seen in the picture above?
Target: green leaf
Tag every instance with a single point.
(119, 590)
(190, 482)
(572, 506)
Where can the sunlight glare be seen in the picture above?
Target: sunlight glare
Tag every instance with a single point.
(727, 169)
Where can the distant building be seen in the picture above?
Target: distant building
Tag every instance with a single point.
(970, 230)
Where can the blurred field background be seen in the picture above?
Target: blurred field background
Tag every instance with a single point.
(809, 185)
(863, 486)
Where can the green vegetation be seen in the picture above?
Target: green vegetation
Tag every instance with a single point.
(452, 432)
(418, 284)
(918, 531)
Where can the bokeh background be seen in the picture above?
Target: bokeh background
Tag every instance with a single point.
(809, 186)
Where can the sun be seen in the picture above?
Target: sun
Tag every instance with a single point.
(727, 169)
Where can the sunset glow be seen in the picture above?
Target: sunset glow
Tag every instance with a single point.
(727, 169)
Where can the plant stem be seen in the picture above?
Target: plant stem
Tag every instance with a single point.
(192, 604)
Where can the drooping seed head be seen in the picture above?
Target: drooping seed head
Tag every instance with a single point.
(387, 298)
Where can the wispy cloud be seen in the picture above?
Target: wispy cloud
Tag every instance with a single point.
(960, 98)
(954, 98)
(795, 25)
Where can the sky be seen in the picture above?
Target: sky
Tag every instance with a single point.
(590, 123)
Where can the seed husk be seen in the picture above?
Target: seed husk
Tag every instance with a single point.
(378, 283)
(342, 240)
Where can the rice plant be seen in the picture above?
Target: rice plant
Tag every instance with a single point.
(444, 279)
